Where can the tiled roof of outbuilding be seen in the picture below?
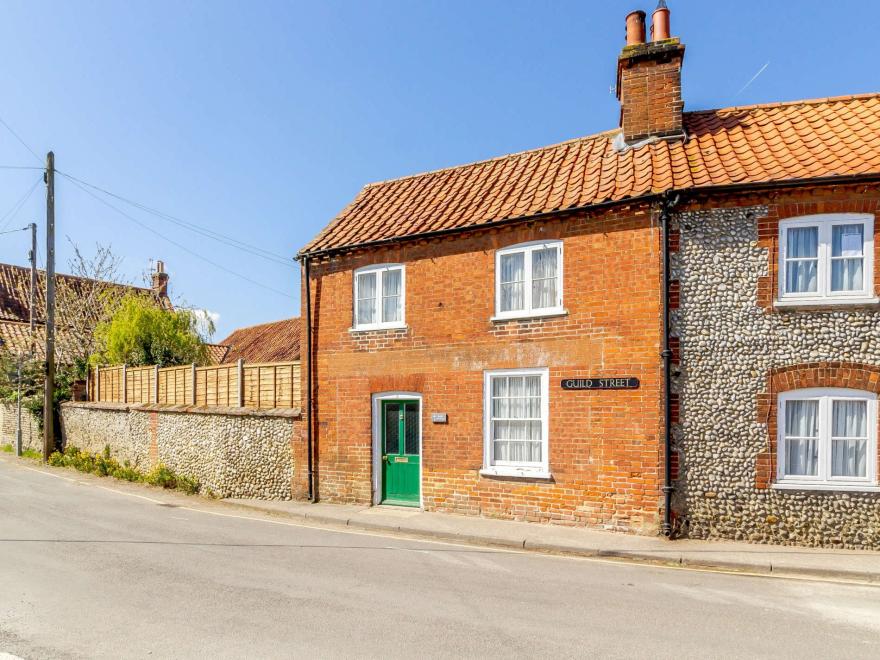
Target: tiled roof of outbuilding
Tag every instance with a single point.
(740, 145)
(278, 341)
(15, 284)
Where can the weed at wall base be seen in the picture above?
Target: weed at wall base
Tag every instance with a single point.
(25, 453)
(103, 465)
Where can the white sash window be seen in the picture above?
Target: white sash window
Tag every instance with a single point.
(826, 259)
(516, 422)
(827, 437)
(528, 280)
(379, 297)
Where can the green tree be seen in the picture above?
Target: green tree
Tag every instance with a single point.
(140, 331)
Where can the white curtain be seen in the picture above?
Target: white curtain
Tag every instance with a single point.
(802, 438)
(513, 276)
(391, 308)
(849, 439)
(847, 243)
(801, 259)
(366, 298)
(516, 419)
(544, 278)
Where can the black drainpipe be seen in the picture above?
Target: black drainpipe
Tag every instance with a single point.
(309, 406)
(667, 203)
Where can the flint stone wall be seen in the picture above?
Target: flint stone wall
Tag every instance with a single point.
(31, 438)
(729, 344)
(233, 452)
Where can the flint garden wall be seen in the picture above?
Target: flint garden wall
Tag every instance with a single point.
(233, 452)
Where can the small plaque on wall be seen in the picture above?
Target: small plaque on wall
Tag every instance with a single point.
(619, 383)
(438, 418)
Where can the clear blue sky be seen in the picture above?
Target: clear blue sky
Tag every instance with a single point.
(262, 119)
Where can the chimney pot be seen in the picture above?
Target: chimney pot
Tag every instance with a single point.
(635, 28)
(660, 29)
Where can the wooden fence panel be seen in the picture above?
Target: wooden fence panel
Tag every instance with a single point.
(273, 385)
(176, 385)
(110, 384)
(140, 384)
(217, 386)
(269, 385)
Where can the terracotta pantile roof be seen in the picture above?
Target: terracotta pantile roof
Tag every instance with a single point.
(269, 342)
(16, 338)
(15, 286)
(754, 144)
(216, 353)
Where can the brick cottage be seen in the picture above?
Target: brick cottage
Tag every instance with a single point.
(668, 327)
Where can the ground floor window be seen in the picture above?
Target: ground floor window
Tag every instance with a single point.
(516, 422)
(827, 437)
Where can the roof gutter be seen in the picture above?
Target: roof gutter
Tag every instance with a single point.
(650, 197)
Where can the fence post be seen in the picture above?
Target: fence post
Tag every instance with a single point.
(194, 383)
(240, 383)
(124, 383)
(97, 383)
(156, 383)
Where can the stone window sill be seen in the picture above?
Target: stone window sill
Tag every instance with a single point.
(846, 488)
(818, 303)
(554, 313)
(515, 474)
(401, 326)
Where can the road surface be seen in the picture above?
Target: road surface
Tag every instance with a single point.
(99, 569)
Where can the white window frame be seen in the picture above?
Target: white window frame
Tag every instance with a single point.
(528, 311)
(539, 470)
(380, 270)
(824, 295)
(823, 480)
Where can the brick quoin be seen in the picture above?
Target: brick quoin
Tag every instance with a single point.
(605, 447)
(852, 375)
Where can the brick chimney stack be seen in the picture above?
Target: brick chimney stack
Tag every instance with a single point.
(649, 80)
(160, 280)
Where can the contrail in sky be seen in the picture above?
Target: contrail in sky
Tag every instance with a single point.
(753, 78)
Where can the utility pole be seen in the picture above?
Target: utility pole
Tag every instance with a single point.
(33, 259)
(49, 394)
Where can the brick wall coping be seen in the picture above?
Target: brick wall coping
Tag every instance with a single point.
(289, 413)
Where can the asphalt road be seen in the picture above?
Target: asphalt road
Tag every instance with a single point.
(97, 569)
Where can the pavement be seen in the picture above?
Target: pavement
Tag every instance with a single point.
(96, 568)
(793, 561)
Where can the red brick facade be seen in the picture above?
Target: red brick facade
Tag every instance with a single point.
(605, 447)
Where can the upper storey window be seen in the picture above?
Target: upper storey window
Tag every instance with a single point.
(826, 258)
(379, 297)
(528, 280)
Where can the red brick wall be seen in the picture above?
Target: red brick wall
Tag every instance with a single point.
(605, 447)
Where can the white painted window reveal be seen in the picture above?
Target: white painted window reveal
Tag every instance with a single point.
(379, 297)
(827, 438)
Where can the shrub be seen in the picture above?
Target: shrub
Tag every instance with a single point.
(105, 465)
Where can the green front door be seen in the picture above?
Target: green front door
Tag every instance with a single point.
(400, 452)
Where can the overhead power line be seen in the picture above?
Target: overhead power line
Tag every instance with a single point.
(191, 226)
(12, 231)
(195, 254)
(23, 143)
(9, 216)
